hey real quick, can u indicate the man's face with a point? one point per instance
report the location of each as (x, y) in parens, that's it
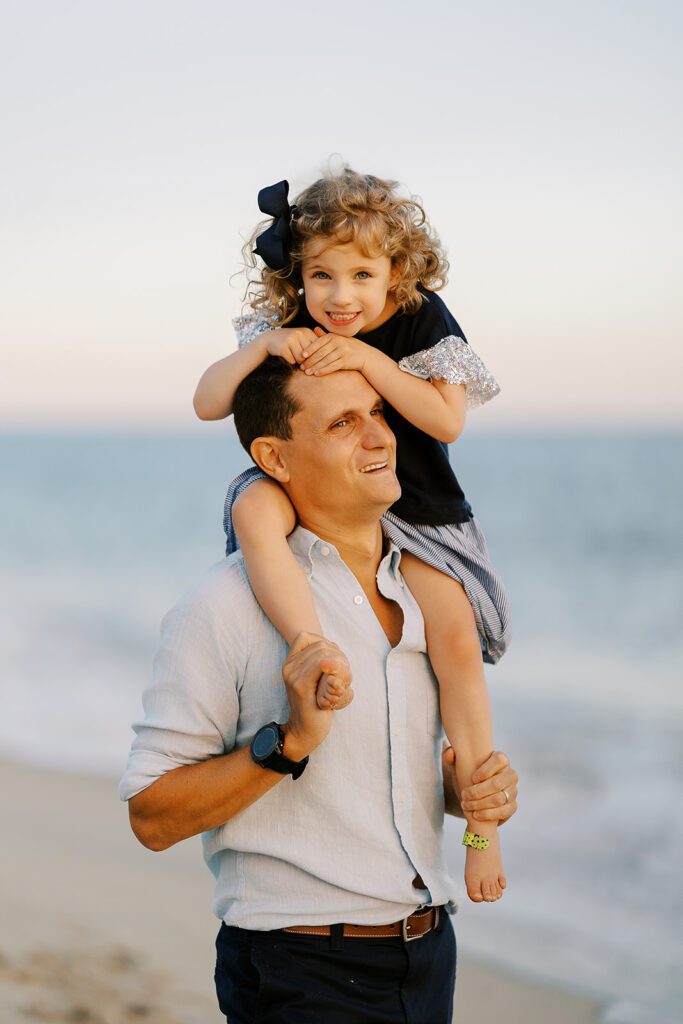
(341, 459)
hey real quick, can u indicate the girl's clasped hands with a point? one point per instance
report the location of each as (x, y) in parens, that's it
(315, 352)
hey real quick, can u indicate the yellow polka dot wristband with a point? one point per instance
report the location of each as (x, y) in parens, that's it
(475, 841)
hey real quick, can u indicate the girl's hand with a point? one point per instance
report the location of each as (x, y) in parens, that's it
(331, 352)
(289, 343)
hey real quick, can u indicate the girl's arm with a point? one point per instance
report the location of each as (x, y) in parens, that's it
(263, 517)
(437, 408)
(217, 386)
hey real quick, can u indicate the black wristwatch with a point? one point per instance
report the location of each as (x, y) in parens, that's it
(267, 750)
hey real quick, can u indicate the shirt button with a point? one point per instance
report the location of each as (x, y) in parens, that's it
(324, 550)
(358, 599)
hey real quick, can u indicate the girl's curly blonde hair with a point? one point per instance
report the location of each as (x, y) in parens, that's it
(351, 207)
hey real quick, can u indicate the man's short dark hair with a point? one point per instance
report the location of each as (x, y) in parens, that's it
(262, 405)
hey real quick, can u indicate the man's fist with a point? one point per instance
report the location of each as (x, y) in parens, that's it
(493, 793)
(309, 659)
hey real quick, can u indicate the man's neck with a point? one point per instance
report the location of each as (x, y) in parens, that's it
(360, 547)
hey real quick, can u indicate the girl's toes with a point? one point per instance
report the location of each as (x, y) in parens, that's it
(502, 881)
(489, 890)
(475, 894)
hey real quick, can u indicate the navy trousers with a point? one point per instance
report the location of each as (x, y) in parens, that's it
(279, 978)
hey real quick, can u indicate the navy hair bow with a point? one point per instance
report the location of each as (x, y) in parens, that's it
(272, 245)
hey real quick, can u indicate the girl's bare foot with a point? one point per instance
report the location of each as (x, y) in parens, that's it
(484, 874)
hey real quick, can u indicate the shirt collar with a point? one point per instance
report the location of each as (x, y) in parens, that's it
(310, 550)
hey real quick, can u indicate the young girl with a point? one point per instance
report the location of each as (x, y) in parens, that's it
(349, 282)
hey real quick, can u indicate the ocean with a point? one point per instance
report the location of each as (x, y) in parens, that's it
(99, 535)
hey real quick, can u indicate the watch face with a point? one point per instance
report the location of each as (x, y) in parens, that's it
(265, 741)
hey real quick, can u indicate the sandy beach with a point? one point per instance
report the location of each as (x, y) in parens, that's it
(96, 929)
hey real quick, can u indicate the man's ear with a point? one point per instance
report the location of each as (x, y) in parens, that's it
(267, 454)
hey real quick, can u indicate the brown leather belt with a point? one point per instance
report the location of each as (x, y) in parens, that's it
(424, 920)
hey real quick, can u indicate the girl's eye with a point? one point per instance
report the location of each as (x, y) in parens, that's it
(363, 274)
(320, 273)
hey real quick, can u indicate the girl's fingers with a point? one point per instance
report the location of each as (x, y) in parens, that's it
(314, 345)
(314, 358)
(328, 367)
(326, 360)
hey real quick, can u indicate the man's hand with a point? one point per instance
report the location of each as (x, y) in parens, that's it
(485, 799)
(308, 660)
(331, 352)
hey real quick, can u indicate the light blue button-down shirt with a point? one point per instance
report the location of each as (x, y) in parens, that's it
(347, 840)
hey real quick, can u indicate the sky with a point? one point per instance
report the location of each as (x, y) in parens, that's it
(543, 138)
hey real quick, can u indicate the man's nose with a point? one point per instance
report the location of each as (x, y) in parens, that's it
(377, 434)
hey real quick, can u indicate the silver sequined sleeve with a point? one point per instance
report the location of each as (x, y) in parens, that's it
(453, 360)
(249, 327)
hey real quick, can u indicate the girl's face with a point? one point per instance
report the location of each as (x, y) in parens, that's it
(347, 292)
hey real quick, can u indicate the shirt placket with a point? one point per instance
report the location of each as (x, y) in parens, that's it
(401, 787)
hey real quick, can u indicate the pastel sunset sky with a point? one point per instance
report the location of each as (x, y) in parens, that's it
(543, 138)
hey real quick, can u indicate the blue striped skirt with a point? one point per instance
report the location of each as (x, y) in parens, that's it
(458, 550)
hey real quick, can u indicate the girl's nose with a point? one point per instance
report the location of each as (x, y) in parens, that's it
(340, 294)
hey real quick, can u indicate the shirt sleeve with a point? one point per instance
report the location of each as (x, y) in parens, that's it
(444, 354)
(249, 327)
(454, 361)
(191, 704)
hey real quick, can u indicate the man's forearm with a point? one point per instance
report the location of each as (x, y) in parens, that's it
(198, 797)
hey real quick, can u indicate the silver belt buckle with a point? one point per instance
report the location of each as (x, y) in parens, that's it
(411, 938)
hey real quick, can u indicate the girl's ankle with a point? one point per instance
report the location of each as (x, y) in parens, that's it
(488, 829)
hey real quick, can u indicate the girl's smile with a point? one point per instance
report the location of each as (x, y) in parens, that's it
(346, 291)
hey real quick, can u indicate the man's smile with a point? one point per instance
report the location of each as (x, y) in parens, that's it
(375, 467)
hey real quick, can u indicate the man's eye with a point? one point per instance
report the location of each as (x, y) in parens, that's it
(339, 423)
(378, 410)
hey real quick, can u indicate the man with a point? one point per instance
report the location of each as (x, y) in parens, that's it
(323, 828)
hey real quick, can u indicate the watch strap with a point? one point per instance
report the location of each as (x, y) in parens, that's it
(280, 763)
